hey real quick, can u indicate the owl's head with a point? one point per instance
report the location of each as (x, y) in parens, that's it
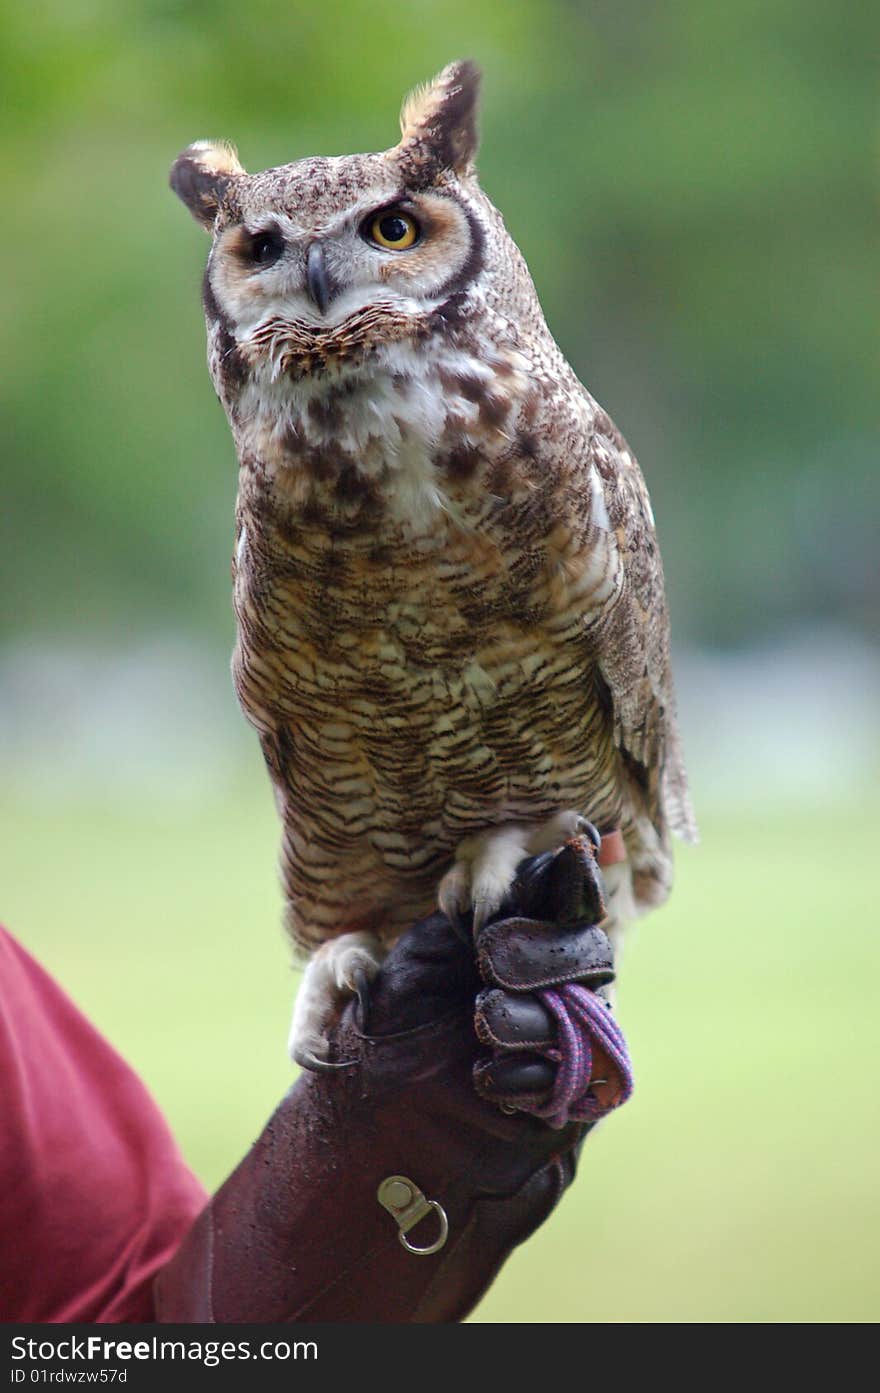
(329, 256)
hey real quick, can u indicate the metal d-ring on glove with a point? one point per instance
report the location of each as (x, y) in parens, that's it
(408, 1206)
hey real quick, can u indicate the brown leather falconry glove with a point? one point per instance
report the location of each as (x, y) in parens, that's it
(392, 1190)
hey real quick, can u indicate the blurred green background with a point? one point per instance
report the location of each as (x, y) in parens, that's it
(695, 190)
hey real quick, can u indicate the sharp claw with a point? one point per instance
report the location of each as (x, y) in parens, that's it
(587, 828)
(306, 1060)
(361, 986)
(482, 914)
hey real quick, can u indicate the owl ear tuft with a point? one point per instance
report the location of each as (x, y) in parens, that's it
(200, 176)
(439, 121)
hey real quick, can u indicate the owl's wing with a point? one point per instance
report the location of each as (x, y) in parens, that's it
(632, 634)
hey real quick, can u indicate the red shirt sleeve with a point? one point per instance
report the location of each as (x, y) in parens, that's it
(94, 1194)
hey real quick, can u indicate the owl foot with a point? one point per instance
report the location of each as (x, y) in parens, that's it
(485, 864)
(339, 969)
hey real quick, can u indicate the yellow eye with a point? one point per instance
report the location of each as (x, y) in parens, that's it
(395, 231)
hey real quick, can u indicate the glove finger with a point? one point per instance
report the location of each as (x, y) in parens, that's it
(516, 1079)
(563, 886)
(523, 955)
(507, 1022)
(427, 973)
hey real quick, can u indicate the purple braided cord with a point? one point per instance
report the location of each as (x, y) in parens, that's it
(582, 1019)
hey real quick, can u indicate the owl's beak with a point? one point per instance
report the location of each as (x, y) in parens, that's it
(320, 285)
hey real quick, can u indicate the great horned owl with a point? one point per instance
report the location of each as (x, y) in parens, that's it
(452, 628)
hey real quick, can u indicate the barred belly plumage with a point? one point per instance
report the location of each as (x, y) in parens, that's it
(407, 695)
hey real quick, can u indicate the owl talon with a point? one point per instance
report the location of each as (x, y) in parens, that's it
(584, 828)
(361, 985)
(484, 910)
(338, 970)
(494, 870)
(306, 1059)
